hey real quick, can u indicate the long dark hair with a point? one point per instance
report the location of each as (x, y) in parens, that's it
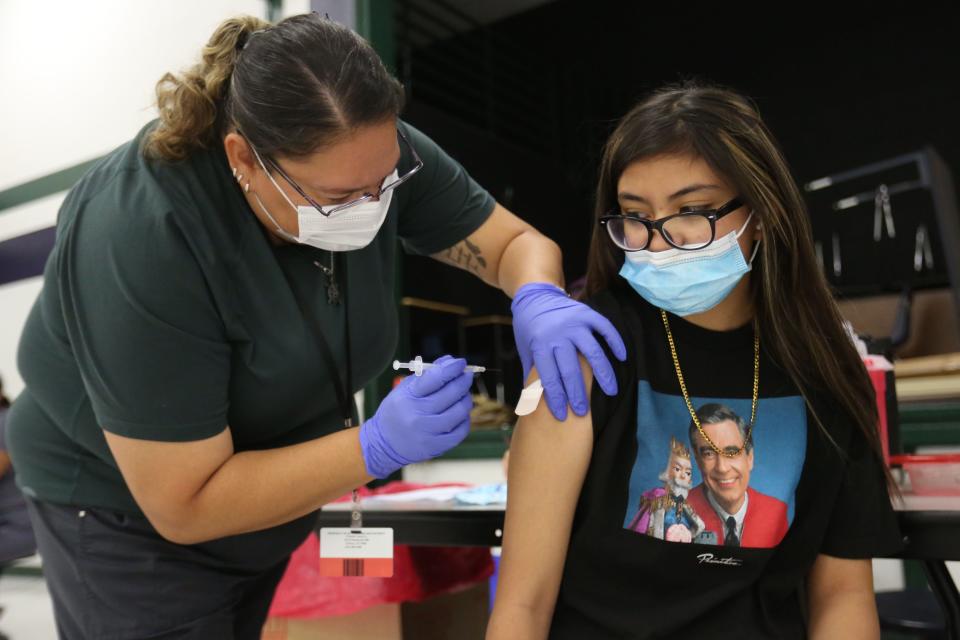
(798, 319)
(292, 89)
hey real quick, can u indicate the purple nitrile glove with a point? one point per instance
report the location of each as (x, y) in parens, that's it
(550, 328)
(420, 419)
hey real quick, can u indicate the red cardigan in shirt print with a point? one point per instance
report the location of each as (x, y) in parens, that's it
(764, 525)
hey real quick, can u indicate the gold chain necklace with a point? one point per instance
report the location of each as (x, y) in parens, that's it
(686, 397)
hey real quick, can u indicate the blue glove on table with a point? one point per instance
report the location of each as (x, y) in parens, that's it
(550, 328)
(420, 419)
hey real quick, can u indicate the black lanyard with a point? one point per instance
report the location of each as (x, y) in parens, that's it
(343, 389)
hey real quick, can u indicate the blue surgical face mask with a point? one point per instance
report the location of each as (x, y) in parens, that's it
(688, 282)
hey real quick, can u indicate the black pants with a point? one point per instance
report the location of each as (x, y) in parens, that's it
(111, 576)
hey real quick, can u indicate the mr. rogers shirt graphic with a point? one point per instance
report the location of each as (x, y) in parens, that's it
(682, 490)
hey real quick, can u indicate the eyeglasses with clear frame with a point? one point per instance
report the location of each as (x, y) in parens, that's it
(687, 230)
(329, 211)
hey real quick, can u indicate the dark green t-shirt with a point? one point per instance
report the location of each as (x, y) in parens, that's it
(165, 315)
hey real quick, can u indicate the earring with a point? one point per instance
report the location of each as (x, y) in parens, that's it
(240, 178)
(246, 187)
(234, 171)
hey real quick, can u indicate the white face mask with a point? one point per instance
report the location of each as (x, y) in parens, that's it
(353, 228)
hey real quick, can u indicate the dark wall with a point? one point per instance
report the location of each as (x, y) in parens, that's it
(838, 92)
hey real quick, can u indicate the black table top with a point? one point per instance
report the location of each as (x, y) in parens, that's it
(930, 525)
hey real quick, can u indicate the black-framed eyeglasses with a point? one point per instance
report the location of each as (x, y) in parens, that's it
(687, 230)
(329, 211)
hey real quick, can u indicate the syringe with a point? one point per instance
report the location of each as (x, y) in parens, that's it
(418, 366)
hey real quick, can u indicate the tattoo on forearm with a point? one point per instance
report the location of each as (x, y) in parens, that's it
(466, 255)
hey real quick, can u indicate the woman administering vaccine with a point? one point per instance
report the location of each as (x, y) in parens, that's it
(219, 288)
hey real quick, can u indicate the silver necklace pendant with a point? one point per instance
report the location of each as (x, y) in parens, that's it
(333, 290)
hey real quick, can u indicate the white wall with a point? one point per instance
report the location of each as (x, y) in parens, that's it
(78, 76)
(77, 80)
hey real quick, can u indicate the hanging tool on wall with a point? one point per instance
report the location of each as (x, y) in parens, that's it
(882, 212)
(837, 262)
(922, 250)
(922, 260)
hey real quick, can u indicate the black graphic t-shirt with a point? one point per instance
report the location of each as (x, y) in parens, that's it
(672, 538)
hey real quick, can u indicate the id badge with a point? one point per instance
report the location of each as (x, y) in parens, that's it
(365, 552)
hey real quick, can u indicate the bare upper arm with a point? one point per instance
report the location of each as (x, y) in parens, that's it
(548, 462)
(164, 477)
(830, 576)
(842, 604)
(481, 251)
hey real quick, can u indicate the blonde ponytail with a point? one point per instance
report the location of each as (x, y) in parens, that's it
(190, 105)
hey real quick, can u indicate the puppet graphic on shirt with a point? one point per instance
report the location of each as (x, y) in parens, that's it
(664, 512)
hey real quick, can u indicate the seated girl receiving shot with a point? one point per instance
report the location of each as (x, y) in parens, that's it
(733, 488)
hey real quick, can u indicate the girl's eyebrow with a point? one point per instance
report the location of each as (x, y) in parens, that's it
(624, 195)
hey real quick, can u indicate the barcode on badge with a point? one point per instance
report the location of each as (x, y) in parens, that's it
(356, 567)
